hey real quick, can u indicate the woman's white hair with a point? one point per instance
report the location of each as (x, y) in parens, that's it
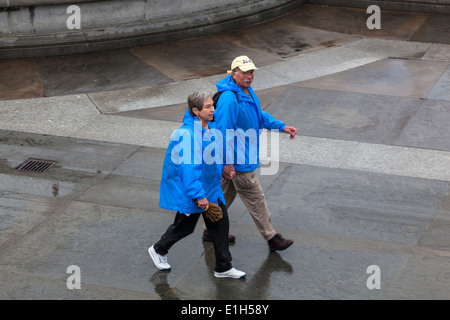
(196, 100)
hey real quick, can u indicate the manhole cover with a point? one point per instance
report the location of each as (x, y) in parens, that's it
(36, 165)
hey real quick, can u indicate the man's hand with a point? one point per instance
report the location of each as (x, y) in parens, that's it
(291, 130)
(203, 204)
(228, 172)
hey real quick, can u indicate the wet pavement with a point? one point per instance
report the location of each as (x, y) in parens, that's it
(365, 183)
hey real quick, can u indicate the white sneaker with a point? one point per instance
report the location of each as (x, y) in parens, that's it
(232, 273)
(160, 261)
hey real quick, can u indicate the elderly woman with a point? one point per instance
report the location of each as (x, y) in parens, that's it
(190, 185)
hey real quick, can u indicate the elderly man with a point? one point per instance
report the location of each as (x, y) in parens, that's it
(238, 108)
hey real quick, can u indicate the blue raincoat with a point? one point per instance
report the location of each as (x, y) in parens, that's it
(242, 114)
(192, 167)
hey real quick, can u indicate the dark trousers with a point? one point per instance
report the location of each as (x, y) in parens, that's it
(184, 225)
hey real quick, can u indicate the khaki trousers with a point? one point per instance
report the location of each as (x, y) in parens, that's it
(247, 186)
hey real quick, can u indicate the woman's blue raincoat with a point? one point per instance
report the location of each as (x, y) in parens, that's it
(190, 173)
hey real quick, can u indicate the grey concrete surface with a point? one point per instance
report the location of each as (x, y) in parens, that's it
(43, 28)
(118, 69)
(364, 183)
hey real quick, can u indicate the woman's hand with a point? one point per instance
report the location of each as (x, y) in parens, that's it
(203, 204)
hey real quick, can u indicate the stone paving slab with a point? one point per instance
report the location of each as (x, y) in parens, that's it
(149, 96)
(312, 66)
(40, 144)
(207, 56)
(28, 286)
(274, 40)
(436, 236)
(395, 160)
(344, 115)
(66, 239)
(428, 128)
(19, 79)
(435, 29)
(354, 204)
(389, 48)
(441, 90)
(440, 52)
(129, 192)
(176, 112)
(386, 77)
(394, 25)
(144, 163)
(53, 115)
(62, 184)
(422, 274)
(142, 132)
(21, 213)
(98, 71)
(330, 153)
(172, 113)
(70, 156)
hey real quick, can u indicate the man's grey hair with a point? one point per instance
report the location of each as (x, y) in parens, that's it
(196, 100)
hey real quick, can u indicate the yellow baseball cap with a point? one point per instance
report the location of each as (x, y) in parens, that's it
(244, 63)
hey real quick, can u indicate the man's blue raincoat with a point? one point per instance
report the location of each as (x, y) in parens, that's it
(241, 114)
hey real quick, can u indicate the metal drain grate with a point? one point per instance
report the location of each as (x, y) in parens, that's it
(36, 165)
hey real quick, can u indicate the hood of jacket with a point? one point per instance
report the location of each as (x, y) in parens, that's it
(229, 84)
(190, 120)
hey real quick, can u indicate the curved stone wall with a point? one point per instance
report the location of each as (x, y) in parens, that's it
(434, 6)
(51, 27)
(29, 3)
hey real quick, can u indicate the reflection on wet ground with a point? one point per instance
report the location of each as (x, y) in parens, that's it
(365, 183)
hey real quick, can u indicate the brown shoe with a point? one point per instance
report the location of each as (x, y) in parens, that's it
(279, 243)
(207, 237)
